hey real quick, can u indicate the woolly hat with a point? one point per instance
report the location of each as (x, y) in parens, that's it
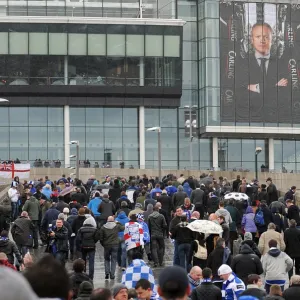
(224, 269)
(248, 236)
(117, 288)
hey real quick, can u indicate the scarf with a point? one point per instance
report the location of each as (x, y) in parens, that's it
(192, 281)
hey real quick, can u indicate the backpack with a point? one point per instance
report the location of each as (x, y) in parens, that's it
(259, 218)
(201, 252)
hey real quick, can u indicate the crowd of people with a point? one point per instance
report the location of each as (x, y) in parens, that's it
(256, 255)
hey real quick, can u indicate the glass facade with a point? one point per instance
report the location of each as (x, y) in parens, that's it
(102, 55)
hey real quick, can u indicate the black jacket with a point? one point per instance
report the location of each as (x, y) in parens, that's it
(61, 238)
(292, 242)
(182, 234)
(246, 263)
(76, 279)
(10, 248)
(114, 193)
(174, 222)
(292, 293)
(88, 236)
(157, 224)
(61, 205)
(178, 198)
(79, 197)
(206, 290)
(166, 203)
(235, 185)
(215, 260)
(267, 218)
(275, 297)
(263, 195)
(109, 234)
(197, 197)
(255, 292)
(77, 223)
(106, 209)
(253, 247)
(289, 195)
(272, 193)
(293, 213)
(21, 231)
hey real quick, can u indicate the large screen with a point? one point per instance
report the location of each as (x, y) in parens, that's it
(259, 57)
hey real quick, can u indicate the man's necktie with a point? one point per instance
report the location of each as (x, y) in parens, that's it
(263, 66)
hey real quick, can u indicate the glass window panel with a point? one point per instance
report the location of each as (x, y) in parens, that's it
(189, 97)
(234, 150)
(18, 141)
(212, 28)
(4, 116)
(77, 116)
(113, 146)
(168, 117)
(38, 143)
(18, 116)
(77, 44)
(130, 144)
(130, 117)
(115, 71)
(116, 44)
(201, 73)
(171, 46)
(169, 138)
(77, 70)
(18, 43)
(154, 71)
(190, 31)
(212, 96)
(297, 151)
(55, 116)
(38, 116)
(278, 151)
(212, 72)
(78, 134)
(56, 69)
(95, 144)
(211, 9)
(38, 43)
(212, 47)
(289, 167)
(288, 151)
(17, 68)
(189, 75)
(58, 43)
(189, 50)
(96, 44)
(152, 117)
(94, 116)
(205, 149)
(39, 70)
(134, 45)
(4, 142)
(132, 69)
(248, 150)
(187, 10)
(4, 43)
(97, 70)
(184, 150)
(113, 117)
(55, 143)
(154, 45)
(213, 115)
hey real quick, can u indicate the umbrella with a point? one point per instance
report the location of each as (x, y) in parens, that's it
(236, 196)
(66, 191)
(205, 226)
(103, 187)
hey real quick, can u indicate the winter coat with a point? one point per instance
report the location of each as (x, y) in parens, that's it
(79, 197)
(292, 293)
(133, 235)
(106, 209)
(157, 224)
(272, 193)
(274, 297)
(109, 234)
(122, 219)
(61, 238)
(85, 290)
(263, 195)
(149, 200)
(76, 279)
(197, 197)
(166, 203)
(279, 205)
(289, 195)
(252, 246)
(155, 193)
(248, 220)
(120, 200)
(171, 190)
(178, 198)
(246, 263)
(276, 264)
(148, 212)
(77, 224)
(50, 216)
(225, 213)
(235, 217)
(267, 218)
(292, 242)
(187, 189)
(254, 291)
(10, 249)
(21, 231)
(174, 222)
(278, 220)
(182, 234)
(32, 206)
(61, 205)
(88, 235)
(213, 204)
(206, 290)
(293, 213)
(94, 205)
(270, 234)
(114, 193)
(136, 211)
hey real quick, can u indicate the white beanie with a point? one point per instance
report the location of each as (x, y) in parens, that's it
(224, 269)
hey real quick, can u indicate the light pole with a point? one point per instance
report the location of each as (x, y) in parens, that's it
(257, 151)
(190, 124)
(158, 129)
(77, 157)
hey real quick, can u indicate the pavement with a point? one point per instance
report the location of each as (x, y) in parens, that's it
(99, 276)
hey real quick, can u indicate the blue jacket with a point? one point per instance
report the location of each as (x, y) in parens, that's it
(171, 190)
(94, 204)
(155, 193)
(187, 189)
(232, 288)
(50, 216)
(146, 231)
(122, 219)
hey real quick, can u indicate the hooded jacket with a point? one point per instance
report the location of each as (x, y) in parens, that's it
(225, 213)
(248, 220)
(85, 290)
(149, 200)
(115, 193)
(276, 264)
(21, 231)
(88, 234)
(179, 196)
(187, 189)
(292, 242)
(166, 203)
(254, 291)
(293, 213)
(148, 212)
(157, 224)
(246, 263)
(94, 205)
(171, 190)
(106, 209)
(109, 234)
(122, 219)
(32, 206)
(10, 249)
(50, 216)
(197, 197)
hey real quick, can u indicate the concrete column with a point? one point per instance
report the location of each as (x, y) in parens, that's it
(66, 70)
(271, 154)
(142, 136)
(215, 153)
(67, 134)
(142, 72)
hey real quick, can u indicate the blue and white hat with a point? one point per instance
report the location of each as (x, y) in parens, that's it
(31, 182)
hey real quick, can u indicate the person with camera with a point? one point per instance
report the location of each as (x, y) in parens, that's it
(59, 241)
